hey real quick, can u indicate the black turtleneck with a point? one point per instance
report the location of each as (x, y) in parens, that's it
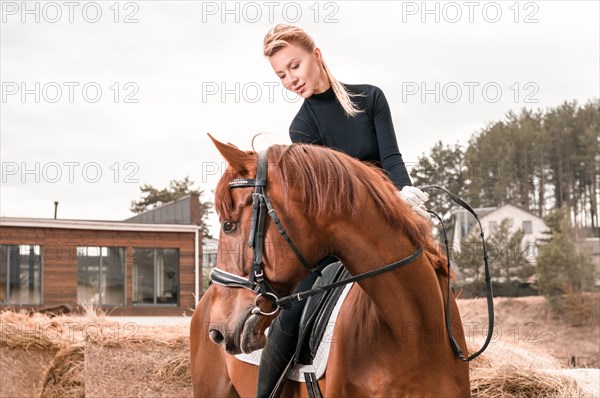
(368, 136)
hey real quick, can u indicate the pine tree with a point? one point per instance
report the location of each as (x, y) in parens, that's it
(561, 267)
(506, 254)
(444, 167)
(470, 258)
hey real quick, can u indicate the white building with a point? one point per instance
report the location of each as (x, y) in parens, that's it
(491, 217)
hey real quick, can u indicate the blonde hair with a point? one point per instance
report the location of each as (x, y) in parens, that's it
(284, 35)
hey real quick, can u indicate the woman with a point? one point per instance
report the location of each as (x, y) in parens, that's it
(354, 119)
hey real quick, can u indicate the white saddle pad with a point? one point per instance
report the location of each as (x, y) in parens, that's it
(320, 362)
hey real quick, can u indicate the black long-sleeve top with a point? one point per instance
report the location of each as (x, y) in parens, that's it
(368, 136)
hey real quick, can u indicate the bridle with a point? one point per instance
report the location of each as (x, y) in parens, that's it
(256, 282)
(261, 206)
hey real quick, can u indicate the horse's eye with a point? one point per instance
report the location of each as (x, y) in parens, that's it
(229, 227)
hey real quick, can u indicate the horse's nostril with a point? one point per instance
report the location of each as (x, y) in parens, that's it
(216, 336)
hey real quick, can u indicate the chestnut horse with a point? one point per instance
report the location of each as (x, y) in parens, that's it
(390, 338)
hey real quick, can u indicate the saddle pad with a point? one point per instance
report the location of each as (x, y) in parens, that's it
(320, 362)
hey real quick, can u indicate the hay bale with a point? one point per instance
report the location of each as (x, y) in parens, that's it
(141, 361)
(176, 370)
(513, 381)
(28, 342)
(64, 375)
(587, 379)
(499, 353)
(506, 370)
(75, 356)
(21, 330)
(21, 371)
(139, 370)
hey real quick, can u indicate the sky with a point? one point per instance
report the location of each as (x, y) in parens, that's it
(99, 98)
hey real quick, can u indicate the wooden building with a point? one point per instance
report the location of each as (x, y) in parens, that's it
(133, 267)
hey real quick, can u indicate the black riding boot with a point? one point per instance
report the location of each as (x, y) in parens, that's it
(275, 356)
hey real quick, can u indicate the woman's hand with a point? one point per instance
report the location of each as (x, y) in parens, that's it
(416, 198)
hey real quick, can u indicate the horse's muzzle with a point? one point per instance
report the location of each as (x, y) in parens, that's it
(244, 336)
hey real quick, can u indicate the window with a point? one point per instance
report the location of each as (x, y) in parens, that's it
(493, 227)
(155, 276)
(209, 260)
(527, 227)
(100, 275)
(209, 253)
(21, 274)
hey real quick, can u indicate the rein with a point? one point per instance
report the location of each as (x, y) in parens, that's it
(256, 282)
(286, 302)
(488, 279)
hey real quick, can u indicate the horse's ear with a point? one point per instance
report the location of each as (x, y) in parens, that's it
(236, 158)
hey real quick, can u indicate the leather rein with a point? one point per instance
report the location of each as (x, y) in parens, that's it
(256, 282)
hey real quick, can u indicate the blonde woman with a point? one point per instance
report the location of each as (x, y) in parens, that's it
(354, 119)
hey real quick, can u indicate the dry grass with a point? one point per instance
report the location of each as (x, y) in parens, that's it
(87, 356)
(22, 331)
(508, 371)
(531, 324)
(528, 354)
(521, 382)
(176, 370)
(77, 356)
(64, 376)
(577, 308)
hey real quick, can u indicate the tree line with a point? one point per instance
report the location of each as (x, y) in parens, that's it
(537, 160)
(546, 162)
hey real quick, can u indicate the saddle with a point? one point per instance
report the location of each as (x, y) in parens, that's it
(314, 323)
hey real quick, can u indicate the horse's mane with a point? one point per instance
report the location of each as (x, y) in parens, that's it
(332, 180)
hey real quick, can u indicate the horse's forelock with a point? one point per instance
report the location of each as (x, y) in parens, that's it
(223, 200)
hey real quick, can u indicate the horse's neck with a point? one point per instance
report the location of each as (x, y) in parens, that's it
(409, 293)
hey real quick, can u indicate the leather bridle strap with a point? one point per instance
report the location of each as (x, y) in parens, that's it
(261, 206)
(286, 302)
(257, 225)
(286, 237)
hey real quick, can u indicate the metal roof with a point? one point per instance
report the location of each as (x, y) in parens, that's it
(94, 225)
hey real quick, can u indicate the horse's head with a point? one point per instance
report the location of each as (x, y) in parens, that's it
(254, 264)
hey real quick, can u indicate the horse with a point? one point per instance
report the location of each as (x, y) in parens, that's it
(390, 338)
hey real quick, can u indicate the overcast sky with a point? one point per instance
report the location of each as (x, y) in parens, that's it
(101, 97)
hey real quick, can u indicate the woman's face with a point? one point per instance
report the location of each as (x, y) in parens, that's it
(300, 71)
